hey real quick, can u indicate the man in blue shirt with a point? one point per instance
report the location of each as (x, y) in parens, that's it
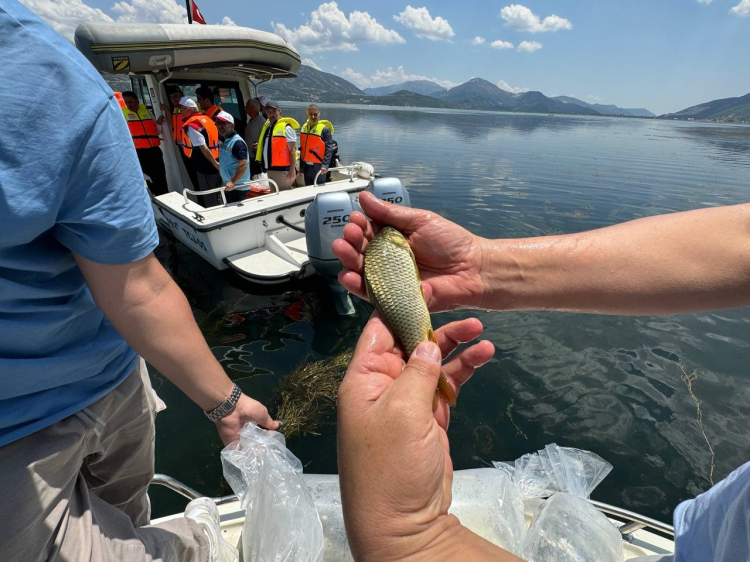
(81, 297)
(233, 160)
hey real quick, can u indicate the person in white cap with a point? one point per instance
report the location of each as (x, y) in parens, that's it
(200, 146)
(233, 161)
(277, 152)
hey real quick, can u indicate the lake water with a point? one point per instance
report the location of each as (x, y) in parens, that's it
(608, 384)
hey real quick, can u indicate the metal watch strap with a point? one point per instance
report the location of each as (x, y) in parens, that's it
(226, 407)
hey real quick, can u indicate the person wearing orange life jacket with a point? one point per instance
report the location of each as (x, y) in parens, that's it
(146, 140)
(206, 102)
(277, 152)
(316, 146)
(175, 95)
(200, 146)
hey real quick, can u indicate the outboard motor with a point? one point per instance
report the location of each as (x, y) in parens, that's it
(325, 218)
(391, 190)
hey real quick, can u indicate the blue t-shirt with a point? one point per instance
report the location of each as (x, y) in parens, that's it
(231, 150)
(69, 182)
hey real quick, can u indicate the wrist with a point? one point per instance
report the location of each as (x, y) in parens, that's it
(501, 275)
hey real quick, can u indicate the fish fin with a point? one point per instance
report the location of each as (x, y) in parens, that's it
(444, 388)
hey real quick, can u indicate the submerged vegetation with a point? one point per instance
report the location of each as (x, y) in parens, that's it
(689, 379)
(306, 398)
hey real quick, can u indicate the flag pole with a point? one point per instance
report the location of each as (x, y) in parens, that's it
(189, 11)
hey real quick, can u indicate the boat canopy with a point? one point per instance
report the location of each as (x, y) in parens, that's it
(146, 48)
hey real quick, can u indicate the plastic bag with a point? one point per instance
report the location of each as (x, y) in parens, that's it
(281, 521)
(257, 185)
(568, 528)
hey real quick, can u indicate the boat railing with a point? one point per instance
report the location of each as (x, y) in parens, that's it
(633, 521)
(352, 169)
(222, 190)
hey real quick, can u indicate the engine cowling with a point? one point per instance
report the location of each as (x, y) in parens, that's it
(391, 190)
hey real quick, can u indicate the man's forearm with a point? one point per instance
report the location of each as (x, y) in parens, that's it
(240, 171)
(667, 264)
(151, 313)
(210, 157)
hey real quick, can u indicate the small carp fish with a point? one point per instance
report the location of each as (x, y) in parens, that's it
(393, 286)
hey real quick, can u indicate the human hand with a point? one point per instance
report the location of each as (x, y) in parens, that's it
(449, 257)
(161, 119)
(394, 465)
(246, 410)
(292, 175)
(229, 185)
(323, 171)
(164, 108)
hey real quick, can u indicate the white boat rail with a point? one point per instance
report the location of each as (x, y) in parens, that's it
(222, 190)
(635, 521)
(351, 167)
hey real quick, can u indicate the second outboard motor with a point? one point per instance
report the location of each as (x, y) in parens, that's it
(391, 190)
(325, 218)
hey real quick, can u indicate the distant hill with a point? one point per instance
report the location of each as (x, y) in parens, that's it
(728, 110)
(424, 87)
(607, 109)
(312, 85)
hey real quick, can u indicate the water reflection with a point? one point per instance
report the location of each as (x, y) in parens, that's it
(609, 384)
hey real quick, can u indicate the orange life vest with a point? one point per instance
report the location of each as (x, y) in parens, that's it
(177, 121)
(142, 128)
(311, 145)
(279, 157)
(213, 111)
(206, 127)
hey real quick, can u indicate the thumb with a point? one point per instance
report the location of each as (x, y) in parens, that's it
(420, 377)
(382, 212)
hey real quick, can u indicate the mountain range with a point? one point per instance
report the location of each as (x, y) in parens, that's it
(727, 110)
(316, 86)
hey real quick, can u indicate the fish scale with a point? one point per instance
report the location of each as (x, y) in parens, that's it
(394, 287)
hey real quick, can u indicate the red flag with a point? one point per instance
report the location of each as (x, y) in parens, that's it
(195, 13)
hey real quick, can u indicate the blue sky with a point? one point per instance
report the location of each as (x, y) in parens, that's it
(664, 55)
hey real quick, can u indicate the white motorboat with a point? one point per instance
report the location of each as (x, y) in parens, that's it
(263, 238)
(475, 503)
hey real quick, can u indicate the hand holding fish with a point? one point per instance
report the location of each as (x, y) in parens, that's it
(394, 465)
(449, 257)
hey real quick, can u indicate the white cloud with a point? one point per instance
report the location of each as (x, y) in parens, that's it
(529, 46)
(388, 77)
(508, 88)
(150, 11)
(595, 99)
(477, 40)
(227, 21)
(423, 25)
(65, 15)
(501, 44)
(312, 63)
(330, 29)
(707, 2)
(521, 18)
(742, 9)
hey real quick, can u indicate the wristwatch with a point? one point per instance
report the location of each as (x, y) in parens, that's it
(226, 407)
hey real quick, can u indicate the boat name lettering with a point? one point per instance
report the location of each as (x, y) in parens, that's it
(172, 224)
(195, 240)
(336, 219)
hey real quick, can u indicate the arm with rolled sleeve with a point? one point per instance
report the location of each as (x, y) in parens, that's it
(291, 142)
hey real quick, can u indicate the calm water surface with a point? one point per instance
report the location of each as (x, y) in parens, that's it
(610, 384)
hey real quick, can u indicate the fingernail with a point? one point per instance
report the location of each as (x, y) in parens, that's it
(428, 351)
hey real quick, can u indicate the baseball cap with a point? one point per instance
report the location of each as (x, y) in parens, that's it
(187, 102)
(263, 100)
(224, 116)
(272, 104)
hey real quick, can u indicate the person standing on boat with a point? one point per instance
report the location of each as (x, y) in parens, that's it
(316, 146)
(82, 296)
(200, 145)
(145, 137)
(233, 160)
(252, 131)
(396, 492)
(206, 102)
(277, 152)
(175, 95)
